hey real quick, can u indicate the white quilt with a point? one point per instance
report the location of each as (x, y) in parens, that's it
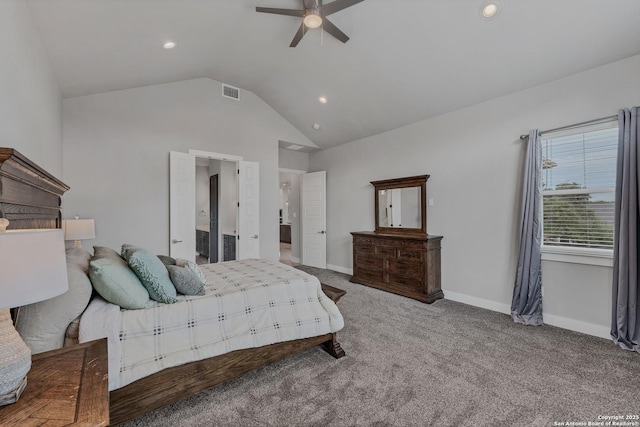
(248, 303)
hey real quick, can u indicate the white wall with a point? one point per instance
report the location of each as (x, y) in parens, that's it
(475, 157)
(116, 151)
(289, 159)
(30, 100)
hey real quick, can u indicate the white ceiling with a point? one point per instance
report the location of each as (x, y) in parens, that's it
(407, 60)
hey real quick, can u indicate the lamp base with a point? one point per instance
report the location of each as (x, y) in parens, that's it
(13, 396)
(15, 361)
(77, 244)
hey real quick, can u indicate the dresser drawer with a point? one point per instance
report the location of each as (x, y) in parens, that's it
(409, 255)
(362, 248)
(409, 283)
(405, 268)
(364, 261)
(372, 275)
(385, 251)
(403, 243)
(365, 240)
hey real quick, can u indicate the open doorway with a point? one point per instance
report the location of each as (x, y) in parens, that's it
(216, 210)
(185, 209)
(289, 214)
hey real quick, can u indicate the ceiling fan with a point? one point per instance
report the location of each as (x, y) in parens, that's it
(314, 15)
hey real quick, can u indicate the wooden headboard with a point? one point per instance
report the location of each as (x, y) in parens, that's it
(30, 197)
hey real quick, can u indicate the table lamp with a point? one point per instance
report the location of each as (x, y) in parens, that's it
(33, 269)
(78, 229)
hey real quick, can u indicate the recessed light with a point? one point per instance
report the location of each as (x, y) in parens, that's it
(169, 45)
(322, 100)
(316, 126)
(294, 147)
(490, 10)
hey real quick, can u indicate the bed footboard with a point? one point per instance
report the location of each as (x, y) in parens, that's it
(177, 383)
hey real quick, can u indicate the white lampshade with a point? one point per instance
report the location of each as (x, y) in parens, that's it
(34, 269)
(79, 229)
(34, 266)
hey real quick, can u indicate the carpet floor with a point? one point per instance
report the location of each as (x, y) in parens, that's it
(413, 364)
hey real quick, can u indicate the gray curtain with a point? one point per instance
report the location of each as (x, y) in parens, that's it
(625, 322)
(526, 306)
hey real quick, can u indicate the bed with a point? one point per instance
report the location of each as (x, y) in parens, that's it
(286, 308)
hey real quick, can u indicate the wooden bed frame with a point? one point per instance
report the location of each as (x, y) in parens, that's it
(30, 197)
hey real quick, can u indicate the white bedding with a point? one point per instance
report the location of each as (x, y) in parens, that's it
(248, 303)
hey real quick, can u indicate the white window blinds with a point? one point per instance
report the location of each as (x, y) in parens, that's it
(578, 175)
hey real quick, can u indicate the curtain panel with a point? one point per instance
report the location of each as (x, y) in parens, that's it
(625, 322)
(526, 305)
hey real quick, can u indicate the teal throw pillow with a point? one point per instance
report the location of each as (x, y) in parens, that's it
(117, 283)
(151, 272)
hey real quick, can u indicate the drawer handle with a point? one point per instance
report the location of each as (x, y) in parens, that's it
(176, 241)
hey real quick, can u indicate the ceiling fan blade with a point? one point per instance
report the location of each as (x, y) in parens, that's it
(296, 39)
(337, 6)
(289, 12)
(334, 31)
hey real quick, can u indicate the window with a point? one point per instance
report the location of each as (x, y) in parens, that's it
(578, 179)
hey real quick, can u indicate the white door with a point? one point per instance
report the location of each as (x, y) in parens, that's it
(314, 219)
(248, 210)
(182, 205)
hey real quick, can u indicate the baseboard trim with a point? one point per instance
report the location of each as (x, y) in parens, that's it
(577, 325)
(340, 269)
(549, 319)
(477, 302)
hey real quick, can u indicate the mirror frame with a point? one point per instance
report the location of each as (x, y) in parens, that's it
(410, 181)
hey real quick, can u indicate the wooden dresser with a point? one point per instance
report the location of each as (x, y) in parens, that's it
(404, 264)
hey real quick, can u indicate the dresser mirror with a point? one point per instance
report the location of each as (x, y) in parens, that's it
(400, 205)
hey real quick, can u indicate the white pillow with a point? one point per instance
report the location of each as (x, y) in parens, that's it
(43, 325)
(193, 267)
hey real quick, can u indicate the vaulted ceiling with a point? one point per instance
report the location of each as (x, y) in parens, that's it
(407, 60)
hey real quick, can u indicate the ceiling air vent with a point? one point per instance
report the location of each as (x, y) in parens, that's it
(231, 92)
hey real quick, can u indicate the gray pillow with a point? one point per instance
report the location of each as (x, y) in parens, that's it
(185, 281)
(151, 272)
(104, 252)
(193, 267)
(167, 260)
(117, 283)
(42, 325)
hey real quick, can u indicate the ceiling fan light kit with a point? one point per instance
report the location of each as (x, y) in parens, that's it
(314, 15)
(312, 19)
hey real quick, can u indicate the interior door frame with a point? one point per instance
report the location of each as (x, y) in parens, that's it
(214, 226)
(218, 156)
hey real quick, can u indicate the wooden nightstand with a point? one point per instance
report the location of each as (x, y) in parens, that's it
(68, 386)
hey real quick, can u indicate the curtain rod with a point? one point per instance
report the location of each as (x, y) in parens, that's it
(576, 125)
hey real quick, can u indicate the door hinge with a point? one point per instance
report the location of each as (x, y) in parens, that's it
(238, 204)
